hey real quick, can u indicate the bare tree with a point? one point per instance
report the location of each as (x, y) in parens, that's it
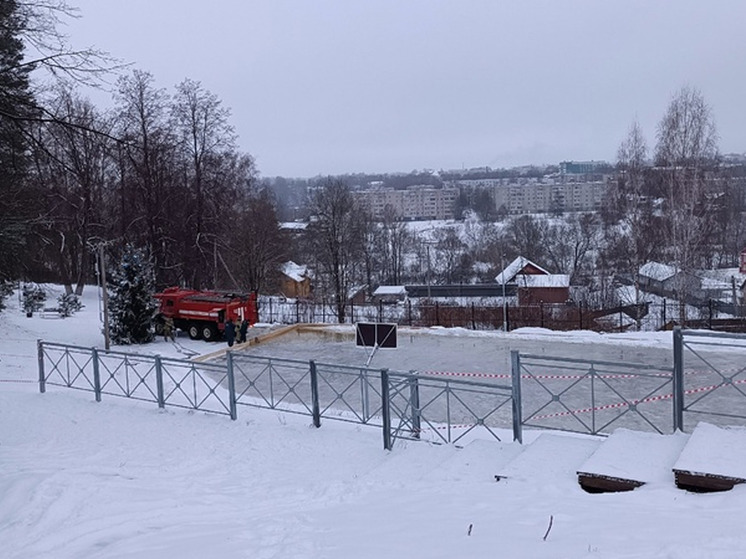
(259, 244)
(450, 253)
(71, 164)
(526, 236)
(151, 198)
(204, 135)
(685, 152)
(570, 245)
(634, 236)
(334, 238)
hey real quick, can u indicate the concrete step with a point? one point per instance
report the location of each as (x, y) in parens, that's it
(629, 459)
(551, 457)
(714, 459)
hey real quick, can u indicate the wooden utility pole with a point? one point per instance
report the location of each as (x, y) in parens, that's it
(105, 295)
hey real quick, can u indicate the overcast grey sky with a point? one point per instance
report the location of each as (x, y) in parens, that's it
(335, 86)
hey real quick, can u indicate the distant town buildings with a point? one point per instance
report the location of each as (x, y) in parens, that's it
(412, 203)
(579, 186)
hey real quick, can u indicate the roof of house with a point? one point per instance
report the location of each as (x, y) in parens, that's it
(515, 268)
(398, 290)
(294, 271)
(294, 225)
(657, 271)
(549, 280)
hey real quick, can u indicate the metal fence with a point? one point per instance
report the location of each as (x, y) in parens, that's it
(711, 315)
(569, 394)
(713, 370)
(404, 405)
(593, 397)
(164, 381)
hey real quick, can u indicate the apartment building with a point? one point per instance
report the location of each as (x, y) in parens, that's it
(414, 203)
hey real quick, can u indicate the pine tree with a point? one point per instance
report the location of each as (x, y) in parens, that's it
(16, 106)
(131, 302)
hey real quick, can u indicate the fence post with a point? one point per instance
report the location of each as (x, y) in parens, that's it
(580, 314)
(231, 386)
(541, 312)
(437, 314)
(385, 409)
(507, 318)
(409, 306)
(678, 379)
(96, 374)
(709, 304)
(159, 381)
(40, 357)
(315, 410)
(473, 322)
(297, 311)
(664, 313)
(515, 373)
(414, 403)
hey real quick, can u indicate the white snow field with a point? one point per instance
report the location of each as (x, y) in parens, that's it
(121, 478)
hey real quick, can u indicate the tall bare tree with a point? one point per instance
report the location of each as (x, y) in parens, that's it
(205, 137)
(334, 237)
(686, 152)
(71, 163)
(259, 245)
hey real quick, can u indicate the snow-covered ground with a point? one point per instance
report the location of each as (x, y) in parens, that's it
(122, 478)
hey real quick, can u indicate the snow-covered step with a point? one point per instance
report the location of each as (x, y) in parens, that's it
(714, 459)
(550, 457)
(478, 460)
(628, 459)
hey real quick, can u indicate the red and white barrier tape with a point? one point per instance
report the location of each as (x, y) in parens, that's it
(634, 402)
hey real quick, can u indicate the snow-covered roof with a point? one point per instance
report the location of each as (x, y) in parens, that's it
(549, 280)
(295, 225)
(657, 271)
(714, 284)
(390, 290)
(514, 268)
(355, 289)
(294, 271)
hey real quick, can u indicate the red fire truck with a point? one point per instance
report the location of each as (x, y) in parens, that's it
(202, 314)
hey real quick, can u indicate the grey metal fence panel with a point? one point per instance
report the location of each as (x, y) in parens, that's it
(197, 386)
(594, 397)
(68, 366)
(185, 384)
(447, 410)
(266, 382)
(128, 375)
(350, 393)
(714, 378)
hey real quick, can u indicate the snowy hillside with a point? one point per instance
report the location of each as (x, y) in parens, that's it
(119, 478)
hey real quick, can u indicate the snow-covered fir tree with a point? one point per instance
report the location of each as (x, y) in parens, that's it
(131, 303)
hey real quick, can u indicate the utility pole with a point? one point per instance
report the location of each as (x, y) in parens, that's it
(105, 294)
(505, 302)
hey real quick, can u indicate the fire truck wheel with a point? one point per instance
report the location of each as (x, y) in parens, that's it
(209, 332)
(195, 332)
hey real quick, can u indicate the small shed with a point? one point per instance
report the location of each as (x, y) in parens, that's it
(389, 294)
(357, 294)
(664, 279)
(295, 281)
(545, 288)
